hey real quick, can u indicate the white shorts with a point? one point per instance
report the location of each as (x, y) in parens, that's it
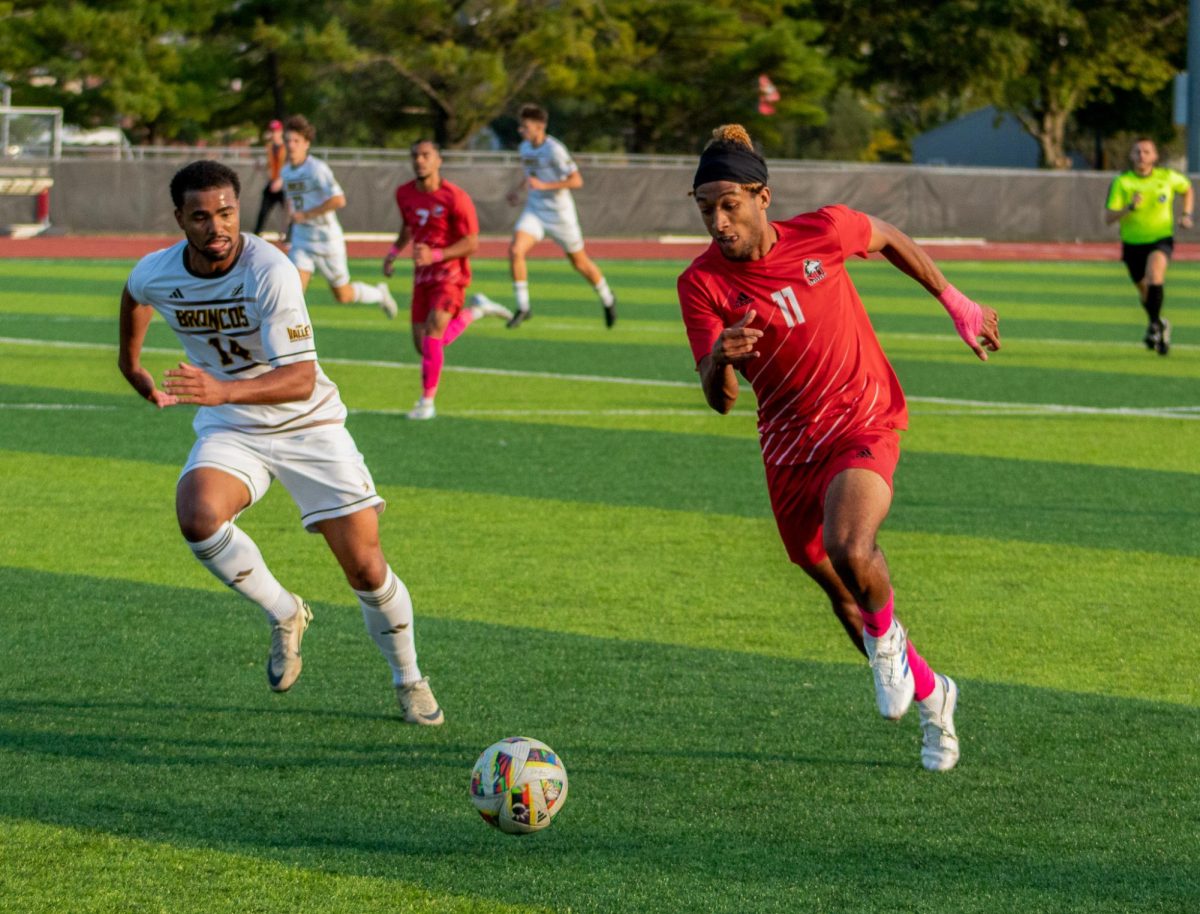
(332, 266)
(322, 470)
(563, 230)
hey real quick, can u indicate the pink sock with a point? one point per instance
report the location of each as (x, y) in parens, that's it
(922, 675)
(458, 325)
(877, 623)
(431, 365)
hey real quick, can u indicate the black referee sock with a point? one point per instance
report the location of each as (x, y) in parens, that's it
(1154, 303)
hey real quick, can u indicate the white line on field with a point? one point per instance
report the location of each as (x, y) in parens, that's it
(700, 412)
(54, 406)
(378, 363)
(1163, 412)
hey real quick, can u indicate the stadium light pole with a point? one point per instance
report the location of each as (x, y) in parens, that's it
(1193, 86)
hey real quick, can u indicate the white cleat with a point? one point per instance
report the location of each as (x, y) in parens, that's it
(894, 682)
(418, 704)
(485, 307)
(388, 305)
(939, 741)
(423, 410)
(284, 662)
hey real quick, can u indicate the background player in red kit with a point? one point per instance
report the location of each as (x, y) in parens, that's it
(439, 218)
(774, 301)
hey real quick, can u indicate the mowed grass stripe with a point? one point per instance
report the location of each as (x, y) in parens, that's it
(943, 492)
(543, 549)
(94, 872)
(193, 754)
(1052, 292)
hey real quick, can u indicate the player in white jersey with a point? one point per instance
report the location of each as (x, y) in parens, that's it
(549, 174)
(266, 411)
(313, 198)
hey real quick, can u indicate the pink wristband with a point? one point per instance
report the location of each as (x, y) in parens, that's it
(437, 254)
(394, 251)
(967, 316)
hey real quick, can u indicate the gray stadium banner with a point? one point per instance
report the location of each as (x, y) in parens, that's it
(633, 200)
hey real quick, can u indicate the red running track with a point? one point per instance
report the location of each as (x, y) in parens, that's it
(131, 247)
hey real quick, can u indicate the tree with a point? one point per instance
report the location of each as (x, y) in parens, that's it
(1041, 60)
(469, 61)
(663, 63)
(130, 60)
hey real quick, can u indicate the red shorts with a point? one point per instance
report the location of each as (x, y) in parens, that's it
(798, 490)
(436, 296)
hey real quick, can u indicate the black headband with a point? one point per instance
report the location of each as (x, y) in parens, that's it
(730, 163)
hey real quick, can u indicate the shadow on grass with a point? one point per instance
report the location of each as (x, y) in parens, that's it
(1039, 501)
(729, 781)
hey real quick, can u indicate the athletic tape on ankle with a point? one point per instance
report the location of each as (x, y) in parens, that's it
(967, 316)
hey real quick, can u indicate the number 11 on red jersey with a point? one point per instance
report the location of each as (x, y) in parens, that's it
(785, 299)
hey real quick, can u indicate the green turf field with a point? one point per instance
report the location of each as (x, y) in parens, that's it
(593, 563)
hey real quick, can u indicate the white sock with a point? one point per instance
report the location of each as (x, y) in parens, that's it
(604, 292)
(388, 616)
(366, 294)
(521, 291)
(933, 701)
(235, 561)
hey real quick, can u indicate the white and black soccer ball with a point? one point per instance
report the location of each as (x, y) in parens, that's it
(518, 785)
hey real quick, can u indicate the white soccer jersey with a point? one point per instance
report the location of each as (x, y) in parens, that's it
(310, 184)
(549, 162)
(240, 324)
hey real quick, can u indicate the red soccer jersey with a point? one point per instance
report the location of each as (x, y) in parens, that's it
(438, 219)
(821, 375)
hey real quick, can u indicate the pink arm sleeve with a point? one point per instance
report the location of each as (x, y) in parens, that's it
(966, 314)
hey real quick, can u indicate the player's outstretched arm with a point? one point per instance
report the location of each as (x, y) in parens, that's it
(135, 318)
(734, 346)
(978, 325)
(573, 181)
(333, 204)
(514, 194)
(1116, 215)
(425, 256)
(401, 242)
(190, 384)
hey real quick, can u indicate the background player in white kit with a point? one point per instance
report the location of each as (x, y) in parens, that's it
(549, 174)
(267, 411)
(314, 197)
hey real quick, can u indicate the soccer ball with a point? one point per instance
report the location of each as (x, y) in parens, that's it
(518, 785)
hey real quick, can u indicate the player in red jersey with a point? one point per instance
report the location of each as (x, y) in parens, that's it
(773, 300)
(439, 218)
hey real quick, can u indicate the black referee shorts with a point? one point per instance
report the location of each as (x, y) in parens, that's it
(1135, 256)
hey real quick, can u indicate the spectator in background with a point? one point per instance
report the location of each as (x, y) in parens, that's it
(272, 194)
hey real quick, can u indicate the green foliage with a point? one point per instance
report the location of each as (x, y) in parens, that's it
(1041, 60)
(661, 64)
(639, 75)
(128, 60)
(468, 62)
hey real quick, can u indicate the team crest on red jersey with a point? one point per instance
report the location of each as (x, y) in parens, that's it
(813, 271)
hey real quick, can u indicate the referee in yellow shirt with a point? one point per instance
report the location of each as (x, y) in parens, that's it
(1142, 199)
